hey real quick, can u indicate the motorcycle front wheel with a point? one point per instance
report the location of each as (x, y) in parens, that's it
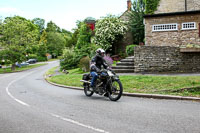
(87, 91)
(116, 90)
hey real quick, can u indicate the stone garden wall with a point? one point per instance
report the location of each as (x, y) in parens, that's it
(153, 59)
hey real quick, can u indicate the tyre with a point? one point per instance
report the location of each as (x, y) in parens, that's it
(116, 90)
(87, 91)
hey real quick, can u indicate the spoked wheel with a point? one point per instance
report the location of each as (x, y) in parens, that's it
(115, 90)
(87, 90)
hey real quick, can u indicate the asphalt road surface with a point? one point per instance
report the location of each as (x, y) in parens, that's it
(28, 104)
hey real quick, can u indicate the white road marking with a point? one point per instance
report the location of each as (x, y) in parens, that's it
(53, 115)
(17, 100)
(78, 123)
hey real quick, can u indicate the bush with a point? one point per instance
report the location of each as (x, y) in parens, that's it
(39, 58)
(84, 64)
(130, 49)
(69, 60)
(32, 56)
(89, 50)
(122, 55)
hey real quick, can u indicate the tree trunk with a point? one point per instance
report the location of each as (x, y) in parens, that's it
(13, 67)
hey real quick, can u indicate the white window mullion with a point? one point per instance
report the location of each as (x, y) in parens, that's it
(188, 26)
(165, 27)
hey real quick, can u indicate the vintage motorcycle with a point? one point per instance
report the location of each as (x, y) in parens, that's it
(108, 84)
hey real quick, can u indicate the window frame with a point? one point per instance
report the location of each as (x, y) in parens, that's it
(193, 28)
(165, 27)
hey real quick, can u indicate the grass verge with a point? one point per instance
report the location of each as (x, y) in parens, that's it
(167, 85)
(51, 71)
(19, 69)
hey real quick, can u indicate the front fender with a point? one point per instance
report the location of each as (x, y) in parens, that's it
(115, 78)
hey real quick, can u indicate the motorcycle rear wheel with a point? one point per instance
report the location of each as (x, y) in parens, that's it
(87, 91)
(116, 90)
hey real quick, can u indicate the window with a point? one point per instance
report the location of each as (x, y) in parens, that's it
(188, 26)
(165, 27)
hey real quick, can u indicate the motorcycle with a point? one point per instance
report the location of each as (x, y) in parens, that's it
(107, 84)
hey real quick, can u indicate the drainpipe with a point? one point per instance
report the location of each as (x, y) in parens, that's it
(185, 5)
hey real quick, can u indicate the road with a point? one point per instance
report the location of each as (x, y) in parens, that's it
(28, 104)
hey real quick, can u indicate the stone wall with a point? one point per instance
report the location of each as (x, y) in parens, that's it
(172, 38)
(153, 59)
(168, 6)
(193, 5)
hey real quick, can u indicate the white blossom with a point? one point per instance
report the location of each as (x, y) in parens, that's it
(107, 29)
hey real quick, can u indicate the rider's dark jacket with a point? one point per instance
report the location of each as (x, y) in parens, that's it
(97, 62)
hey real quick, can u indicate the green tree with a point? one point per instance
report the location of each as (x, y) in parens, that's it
(84, 47)
(42, 48)
(66, 32)
(39, 50)
(52, 27)
(41, 53)
(84, 36)
(17, 35)
(40, 23)
(68, 36)
(55, 39)
(43, 37)
(1, 22)
(55, 43)
(74, 37)
(109, 30)
(136, 21)
(151, 6)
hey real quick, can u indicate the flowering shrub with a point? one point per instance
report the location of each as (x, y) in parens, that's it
(108, 30)
(108, 60)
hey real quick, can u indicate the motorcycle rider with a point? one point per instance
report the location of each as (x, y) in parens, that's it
(96, 63)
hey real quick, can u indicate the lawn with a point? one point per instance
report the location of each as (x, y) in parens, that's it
(169, 85)
(175, 85)
(18, 69)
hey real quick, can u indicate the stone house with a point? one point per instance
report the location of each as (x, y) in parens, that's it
(175, 24)
(120, 46)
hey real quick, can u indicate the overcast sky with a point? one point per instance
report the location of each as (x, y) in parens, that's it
(64, 13)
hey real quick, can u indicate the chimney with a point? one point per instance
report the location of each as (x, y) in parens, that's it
(129, 5)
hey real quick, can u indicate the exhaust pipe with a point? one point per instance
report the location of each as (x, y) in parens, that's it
(85, 81)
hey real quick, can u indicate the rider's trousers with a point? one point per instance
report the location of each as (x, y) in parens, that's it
(94, 78)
